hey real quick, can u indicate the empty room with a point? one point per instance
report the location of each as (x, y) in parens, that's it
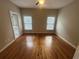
(39, 29)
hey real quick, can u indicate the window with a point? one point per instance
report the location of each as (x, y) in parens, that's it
(50, 23)
(27, 22)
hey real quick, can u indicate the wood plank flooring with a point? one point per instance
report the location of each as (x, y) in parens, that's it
(38, 47)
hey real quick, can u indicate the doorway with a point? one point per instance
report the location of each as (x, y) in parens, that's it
(15, 24)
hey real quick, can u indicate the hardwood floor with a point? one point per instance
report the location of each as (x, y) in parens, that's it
(38, 47)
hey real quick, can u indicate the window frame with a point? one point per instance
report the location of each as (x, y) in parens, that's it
(27, 23)
(53, 24)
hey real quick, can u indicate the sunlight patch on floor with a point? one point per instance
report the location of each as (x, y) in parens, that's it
(48, 41)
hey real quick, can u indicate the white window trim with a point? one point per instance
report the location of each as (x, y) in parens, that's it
(50, 29)
(26, 23)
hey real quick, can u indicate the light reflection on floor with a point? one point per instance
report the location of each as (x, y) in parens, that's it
(29, 41)
(48, 41)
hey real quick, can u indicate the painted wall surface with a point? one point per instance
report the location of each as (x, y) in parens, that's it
(6, 34)
(68, 23)
(39, 17)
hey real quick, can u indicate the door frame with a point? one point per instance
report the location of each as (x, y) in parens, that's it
(10, 13)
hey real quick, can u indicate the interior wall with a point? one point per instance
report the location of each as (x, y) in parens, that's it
(39, 17)
(6, 34)
(68, 23)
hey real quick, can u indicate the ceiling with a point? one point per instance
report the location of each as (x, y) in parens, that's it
(48, 4)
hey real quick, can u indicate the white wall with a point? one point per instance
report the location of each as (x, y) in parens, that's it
(68, 23)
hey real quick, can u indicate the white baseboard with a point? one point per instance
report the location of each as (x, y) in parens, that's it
(6, 46)
(9, 44)
(67, 41)
(76, 55)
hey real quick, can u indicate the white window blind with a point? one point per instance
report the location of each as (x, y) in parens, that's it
(50, 23)
(27, 22)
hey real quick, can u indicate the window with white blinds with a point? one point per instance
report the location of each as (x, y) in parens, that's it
(27, 22)
(50, 23)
